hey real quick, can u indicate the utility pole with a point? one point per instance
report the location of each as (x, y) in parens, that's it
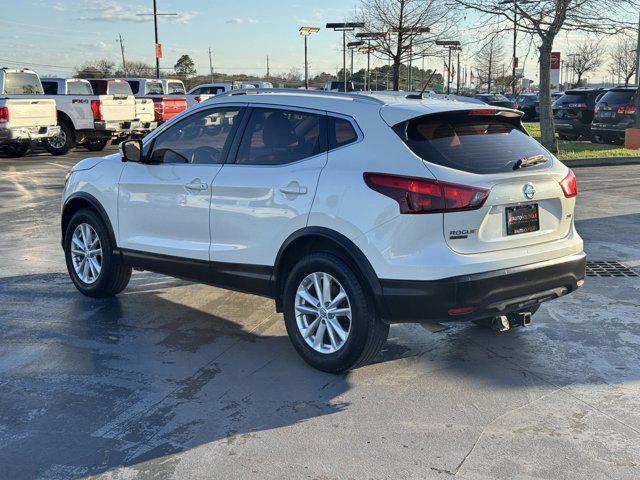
(267, 67)
(155, 30)
(124, 63)
(638, 55)
(210, 65)
(458, 73)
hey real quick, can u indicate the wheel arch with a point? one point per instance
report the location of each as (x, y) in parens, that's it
(314, 239)
(79, 201)
(63, 117)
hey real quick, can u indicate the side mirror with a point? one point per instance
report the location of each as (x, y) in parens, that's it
(131, 151)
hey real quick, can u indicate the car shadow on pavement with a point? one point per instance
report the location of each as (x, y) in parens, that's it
(93, 385)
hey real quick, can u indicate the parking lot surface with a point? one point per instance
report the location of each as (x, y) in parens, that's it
(177, 380)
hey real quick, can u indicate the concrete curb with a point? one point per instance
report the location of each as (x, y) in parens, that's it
(600, 162)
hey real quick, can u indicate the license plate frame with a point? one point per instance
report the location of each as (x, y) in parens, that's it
(522, 219)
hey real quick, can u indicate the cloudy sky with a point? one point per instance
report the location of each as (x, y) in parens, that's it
(53, 36)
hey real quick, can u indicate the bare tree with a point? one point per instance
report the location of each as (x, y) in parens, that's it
(543, 20)
(623, 59)
(488, 59)
(410, 28)
(585, 57)
(137, 69)
(95, 69)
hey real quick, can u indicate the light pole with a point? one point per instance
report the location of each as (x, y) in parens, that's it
(452, 45)
(305, 32)
(344, 28)
(352, 46)
(368, 36)
(155, 29)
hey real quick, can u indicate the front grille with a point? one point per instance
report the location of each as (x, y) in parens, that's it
(607, 268)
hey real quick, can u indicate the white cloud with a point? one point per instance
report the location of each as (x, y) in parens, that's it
(242, 20)
(114, 11)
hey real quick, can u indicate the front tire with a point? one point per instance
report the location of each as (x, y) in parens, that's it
(89, 256)
(338, 331)
(62, 143)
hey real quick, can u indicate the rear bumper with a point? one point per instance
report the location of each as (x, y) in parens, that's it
(116, 127)
(570, 126)
(609, 131)
(487, 294)
(24, 134)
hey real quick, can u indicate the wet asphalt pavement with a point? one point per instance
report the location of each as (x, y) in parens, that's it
(178, 380)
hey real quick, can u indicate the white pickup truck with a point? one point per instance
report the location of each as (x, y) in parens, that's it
(25, 115)
(145, 90)
(85, 118)
(166, 106)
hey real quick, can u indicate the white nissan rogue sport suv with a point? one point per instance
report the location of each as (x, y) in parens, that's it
(352, 211)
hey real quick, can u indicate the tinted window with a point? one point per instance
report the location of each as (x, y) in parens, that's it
(274, 137)
(492, 98)
(135, 86)
(22, 84)
(119, 88)
(572, 97)
(200, 138)
(99, 86)
(79, 88)
(618, 97)
(479, 145)
(50, 88)
(341, 132)
(175, 88)
(154, 88)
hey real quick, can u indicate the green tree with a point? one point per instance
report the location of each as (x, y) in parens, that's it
(185, 67)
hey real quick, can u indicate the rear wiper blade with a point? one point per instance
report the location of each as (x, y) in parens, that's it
(529, 161)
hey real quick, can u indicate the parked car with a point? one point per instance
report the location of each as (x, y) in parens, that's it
(85, 118)
(256, 84)
(292, 196)
(614, 113)
(339, 86)
(495, 99)
(205, 91)
(147, 91)
(573, 113)
(528, 103)
(25, 114)
(166, 106)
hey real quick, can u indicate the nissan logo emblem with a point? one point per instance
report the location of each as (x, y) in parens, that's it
(529, 191)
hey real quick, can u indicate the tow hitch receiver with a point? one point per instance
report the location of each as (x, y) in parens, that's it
(503, 323)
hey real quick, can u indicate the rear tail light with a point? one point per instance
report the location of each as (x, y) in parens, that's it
(569, 185)
(4, 114)
(628, 110)
(420, 195)
(483, 111)
(96, 109)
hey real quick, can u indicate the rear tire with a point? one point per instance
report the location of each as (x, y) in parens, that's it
(112, 276)
(16, 149)
(365, 332)
(96, 145)
(61, 144)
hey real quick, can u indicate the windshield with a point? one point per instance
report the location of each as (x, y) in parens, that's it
(18, 83)
(482, 144)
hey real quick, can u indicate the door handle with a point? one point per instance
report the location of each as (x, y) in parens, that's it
(197, 185)
(294, 188)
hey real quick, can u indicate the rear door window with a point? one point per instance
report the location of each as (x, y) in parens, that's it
(79, 88)
(154, 88)
(476, 144)
(341, 132)
(18, 83)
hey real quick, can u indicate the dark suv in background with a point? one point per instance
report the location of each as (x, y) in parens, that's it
(573, 112)
(528, 103)
(614, 113)
(495, 99)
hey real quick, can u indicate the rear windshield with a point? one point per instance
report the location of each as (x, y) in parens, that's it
(573, 97)
(493, 98)
(18, 83)
(79, 88)
(483, 144)
(618, 97)
(175, 88)
(119, 88)
(154, 88)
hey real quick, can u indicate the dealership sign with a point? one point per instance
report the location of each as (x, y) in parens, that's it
(555, 69)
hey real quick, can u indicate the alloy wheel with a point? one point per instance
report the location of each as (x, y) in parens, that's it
(86, 253)
(323, 312)
(59, 140)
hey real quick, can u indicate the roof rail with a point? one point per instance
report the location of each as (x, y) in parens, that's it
(298, 91)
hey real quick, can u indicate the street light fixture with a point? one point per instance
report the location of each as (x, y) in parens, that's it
(452, 45)
(352, 46)
(344, 28)
(155, 28)
(368, 36)
(305, 32)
